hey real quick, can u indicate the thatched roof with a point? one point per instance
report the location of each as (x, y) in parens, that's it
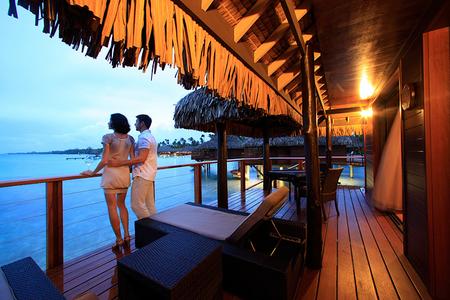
(200, 110)
(233, 142)
(297, 141)
(248, 49)
(239, 142)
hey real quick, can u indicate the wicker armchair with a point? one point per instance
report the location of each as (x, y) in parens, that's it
(329, 188)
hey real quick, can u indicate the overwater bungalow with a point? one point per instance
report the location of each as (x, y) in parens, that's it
(381, 67)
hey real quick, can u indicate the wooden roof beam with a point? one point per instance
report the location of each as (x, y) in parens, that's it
(296, 96)
(289, 11)
(281, 60)
(287, 77)
(216, 26)
(293, 88)
(206, 4)
(250, 18)
(276, 36)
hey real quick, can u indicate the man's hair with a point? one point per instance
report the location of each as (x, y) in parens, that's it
(146, 119)
(119, 123)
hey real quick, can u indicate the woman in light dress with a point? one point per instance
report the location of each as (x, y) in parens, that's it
(116, 180)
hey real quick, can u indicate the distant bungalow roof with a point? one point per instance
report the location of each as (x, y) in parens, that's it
(200, 110)
(239, 142)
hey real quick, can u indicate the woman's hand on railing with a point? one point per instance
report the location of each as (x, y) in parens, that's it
(87, 173)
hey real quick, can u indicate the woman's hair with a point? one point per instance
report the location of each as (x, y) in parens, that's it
(119, 123)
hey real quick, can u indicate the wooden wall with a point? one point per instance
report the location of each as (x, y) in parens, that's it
(436, 64)
(414, 181)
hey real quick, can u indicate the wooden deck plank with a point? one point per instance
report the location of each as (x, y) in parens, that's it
(380, 274)
(346, 288)
(397, 246)
(400, 279)
(359, 246)
(363, 276)
(308, 285)
(328, 274)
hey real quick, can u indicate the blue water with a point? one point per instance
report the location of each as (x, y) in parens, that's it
(85, 218)
(86, 223)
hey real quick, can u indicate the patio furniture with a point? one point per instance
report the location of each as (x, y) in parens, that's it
(220, 224)
(329, 188)
(174, 266)
(26, 281)
(267, 268)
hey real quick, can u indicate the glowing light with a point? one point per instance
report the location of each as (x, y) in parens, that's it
(365, 88)
(367, 113)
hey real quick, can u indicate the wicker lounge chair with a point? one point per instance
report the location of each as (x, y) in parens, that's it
(26, 280)
(269, 267)
(220, 224)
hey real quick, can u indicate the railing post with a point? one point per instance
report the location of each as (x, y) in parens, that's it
(198, 183)
(55, 253)
(267, 163)
(242, 171)
(222, 156)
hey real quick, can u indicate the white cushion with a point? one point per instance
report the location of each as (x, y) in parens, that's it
(205, 221)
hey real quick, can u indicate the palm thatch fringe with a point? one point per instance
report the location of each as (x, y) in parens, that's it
(201, 110)
(153, 33)
(346, 130)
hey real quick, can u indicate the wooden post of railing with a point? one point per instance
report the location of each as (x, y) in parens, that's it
(198, 184)
(222, 185)
(267, 163)
(300, 165)
(55, 255)
(329, 151)
(242, 171)
(313, 210)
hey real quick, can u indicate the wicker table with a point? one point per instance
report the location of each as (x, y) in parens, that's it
(175, 266)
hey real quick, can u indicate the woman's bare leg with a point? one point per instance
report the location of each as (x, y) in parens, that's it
(111, 202)
(123, 213)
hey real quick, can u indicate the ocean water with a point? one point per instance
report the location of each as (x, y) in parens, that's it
(85, 218)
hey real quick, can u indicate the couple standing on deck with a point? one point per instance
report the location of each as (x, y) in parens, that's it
(120, 152)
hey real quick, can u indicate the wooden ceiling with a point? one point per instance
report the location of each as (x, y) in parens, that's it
(253, 46)
(348, 37)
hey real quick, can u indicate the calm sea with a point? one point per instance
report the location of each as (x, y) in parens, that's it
(86, 224)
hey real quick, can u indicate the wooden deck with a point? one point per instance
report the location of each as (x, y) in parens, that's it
(362, 257)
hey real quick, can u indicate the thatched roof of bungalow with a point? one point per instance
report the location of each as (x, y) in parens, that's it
(171, 149)
(201, 110)
(239, 142)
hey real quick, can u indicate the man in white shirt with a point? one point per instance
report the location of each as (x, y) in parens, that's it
(144, 169)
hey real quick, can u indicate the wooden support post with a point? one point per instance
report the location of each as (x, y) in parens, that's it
(222, 184)
(267, 163)
(242, 172)
(198, 184)
(329, 151)
(313, 210)
(55, 254)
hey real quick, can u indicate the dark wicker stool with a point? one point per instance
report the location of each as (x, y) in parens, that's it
(175, 266)
(28, 282)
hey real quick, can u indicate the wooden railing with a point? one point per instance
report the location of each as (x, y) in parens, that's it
(54, 197)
